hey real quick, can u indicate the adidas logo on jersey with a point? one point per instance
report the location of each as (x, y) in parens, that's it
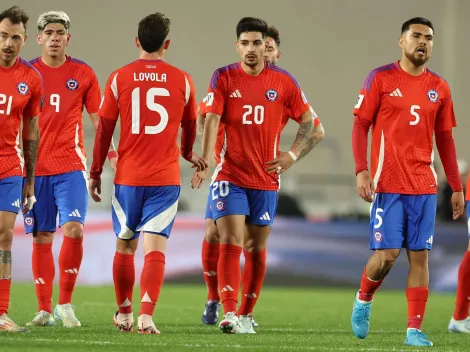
(236, 94)
(265, 217)
(396, 93)
(16, 203)
(75, 213)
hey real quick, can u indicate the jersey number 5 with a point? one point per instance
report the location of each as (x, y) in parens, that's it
(8, 101)
(257, 113)
(415, 114)
(152, 106)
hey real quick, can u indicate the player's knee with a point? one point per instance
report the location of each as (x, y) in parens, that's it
(387, 258)
(126, 246)
(211, 235)
(73, 230)
(251, 245)
(43, 237)
(418, 259)
(6, 237)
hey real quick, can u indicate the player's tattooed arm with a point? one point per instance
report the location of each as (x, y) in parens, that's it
(302, 139)
(30, 146)
(318, 133)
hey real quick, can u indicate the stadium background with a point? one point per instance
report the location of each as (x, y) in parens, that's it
(330, 46)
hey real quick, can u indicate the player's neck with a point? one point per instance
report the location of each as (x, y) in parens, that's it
(407, 66)
(253, 71)
(151, 56)
(53, 62)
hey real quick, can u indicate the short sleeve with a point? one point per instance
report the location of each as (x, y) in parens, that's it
(190, 109)
(109, 107)
(93, 94)
(35, 102)
(368, 101)
(216, 93)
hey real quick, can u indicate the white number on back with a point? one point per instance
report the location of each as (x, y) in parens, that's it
(55, 101)
(256, 111)
(8, 101)
(415, 114)
(152, 106)
(223, 189)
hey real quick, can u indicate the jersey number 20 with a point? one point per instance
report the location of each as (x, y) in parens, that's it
(152, 106)
(253, 114)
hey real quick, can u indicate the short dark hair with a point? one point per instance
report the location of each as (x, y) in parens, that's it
(274, 33)
(252, 24)
(153, 30)
(16, 15)
(416, 20)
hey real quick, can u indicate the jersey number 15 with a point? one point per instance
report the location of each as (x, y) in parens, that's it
(152, 106)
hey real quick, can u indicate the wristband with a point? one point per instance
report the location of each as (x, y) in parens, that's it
(293, 156)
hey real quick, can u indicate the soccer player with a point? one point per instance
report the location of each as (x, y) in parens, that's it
(460, 320)
(210, 245)
(20, 102)
(61, 180)
(153, 99)
(249, 98)
(406, 104)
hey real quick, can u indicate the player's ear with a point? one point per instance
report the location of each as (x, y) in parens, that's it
(166, 44)
(68, 38)
(137, 43)
(400, 41)
(278, 54)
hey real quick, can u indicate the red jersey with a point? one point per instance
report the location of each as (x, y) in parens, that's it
(21, 91)
(66, 90)
(153, 98)
(252, 108)
(405, 111)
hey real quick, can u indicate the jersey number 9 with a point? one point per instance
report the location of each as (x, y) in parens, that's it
(152, 106)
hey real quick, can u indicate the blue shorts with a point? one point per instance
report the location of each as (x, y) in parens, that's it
(228, 199)
(402, 221)
(11, 193)
(208, 207)
(64, 194)
(150, 209)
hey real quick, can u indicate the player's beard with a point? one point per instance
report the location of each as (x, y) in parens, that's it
(415, 59)
(252, 63)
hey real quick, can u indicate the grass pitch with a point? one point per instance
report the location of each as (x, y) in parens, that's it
(290, 320)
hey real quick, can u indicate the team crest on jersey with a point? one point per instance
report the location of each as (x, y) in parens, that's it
(432, 95)
(72, 84)
(271, 94)
(23, 88)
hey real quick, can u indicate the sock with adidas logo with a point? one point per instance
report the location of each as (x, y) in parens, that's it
(151, 281)
(70, 259)
(253, 277)
(43, 274)
(228, 271)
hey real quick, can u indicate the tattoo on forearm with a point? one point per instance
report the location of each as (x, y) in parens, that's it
(5, 257)
(303, 136)
(30, 149)
(316, 137)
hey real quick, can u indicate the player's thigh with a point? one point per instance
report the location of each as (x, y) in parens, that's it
(263, 206)
(256, 237)
(127, 203)
(159, 210)
(211, 233)
(387, 222)
(43, 216)
(421, 214)
(11, 190)
(71, 194)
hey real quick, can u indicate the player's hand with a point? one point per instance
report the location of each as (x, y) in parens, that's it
(365, 186)
(279, 165)
(199, 177)
(95, 189)
(198, 162)
(28, 197)
(458, 204)
(113, 163)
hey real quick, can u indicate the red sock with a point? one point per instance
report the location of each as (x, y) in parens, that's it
(252, 281)
(417, 298)
(5, 285)
(151, 281)
(462, 303)
(43, 274)
(210, 258)
(70, 259)
(368, 288)
(228, 270)
(124, 278)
